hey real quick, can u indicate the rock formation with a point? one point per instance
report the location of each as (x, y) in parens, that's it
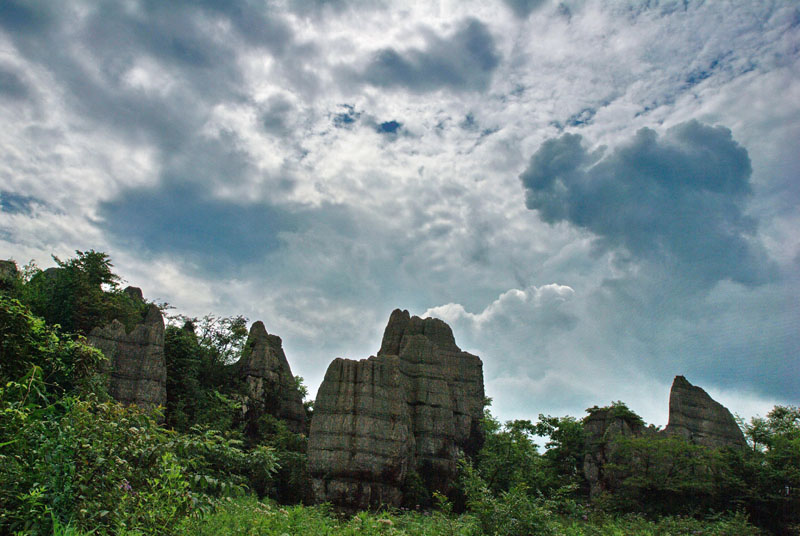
(413, 408)
(699, 418)
(8, 273)
(138, 371)
(270, 385)
(693, 415)
(602, 428)
(134, 293)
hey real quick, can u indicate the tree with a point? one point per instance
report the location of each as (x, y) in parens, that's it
(765, 479)
(80, 294)
(663, 474)
(565, 448)
(510, 457)
(27, 343)
(201, 386)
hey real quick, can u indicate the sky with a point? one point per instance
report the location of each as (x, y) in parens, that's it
(597, 196)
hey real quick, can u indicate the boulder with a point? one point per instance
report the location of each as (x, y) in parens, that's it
(693, 414)
(138, 371)
(413, 408)
(270, 385)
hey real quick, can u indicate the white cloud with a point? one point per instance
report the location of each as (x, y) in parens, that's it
(513, 306)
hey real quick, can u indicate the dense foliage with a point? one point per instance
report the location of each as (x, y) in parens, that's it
(79, 294)
(69, 456)
(203, 389)
(72, 461)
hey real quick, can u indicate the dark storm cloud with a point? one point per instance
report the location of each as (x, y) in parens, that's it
(523, 8)
(316, 7)
(188, 55)
(26, 17)
(677, 201)
(185, 220)
(254, 21)
(463, 61)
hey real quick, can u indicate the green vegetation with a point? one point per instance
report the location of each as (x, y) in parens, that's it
(619, 410)
(79, 294)
(74, 462)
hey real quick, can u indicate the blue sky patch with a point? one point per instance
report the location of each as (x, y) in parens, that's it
(388, 127)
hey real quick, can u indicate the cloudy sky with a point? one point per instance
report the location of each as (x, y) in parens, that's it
(597, 196)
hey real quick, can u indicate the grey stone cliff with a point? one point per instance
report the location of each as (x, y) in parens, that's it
(270, 385)
(416, 406)
(138, 371)
(693, 414)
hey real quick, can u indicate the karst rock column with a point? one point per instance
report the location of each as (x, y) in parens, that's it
(699, 418)
(412, 410)
(138, 370)
(270, 385)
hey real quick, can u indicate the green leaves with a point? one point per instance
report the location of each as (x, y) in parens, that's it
(80, 294)
(619, 410)
(29, 348)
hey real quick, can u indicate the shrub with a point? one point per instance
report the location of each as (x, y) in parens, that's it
(106, 467)
(26, 342)
(511, 513)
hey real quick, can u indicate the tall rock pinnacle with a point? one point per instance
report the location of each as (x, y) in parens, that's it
(408, 412)
(138, 367)
(270, 384)
(694, 415)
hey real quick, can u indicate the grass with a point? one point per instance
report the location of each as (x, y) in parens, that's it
(249, 517)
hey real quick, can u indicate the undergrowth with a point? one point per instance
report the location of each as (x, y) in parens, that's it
(247, 516)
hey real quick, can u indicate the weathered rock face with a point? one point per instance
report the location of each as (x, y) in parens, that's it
(414, 407)
(602, 428)
(270, 384)
(361, 444)
(699, 418)
(138, 371)
(444, 391)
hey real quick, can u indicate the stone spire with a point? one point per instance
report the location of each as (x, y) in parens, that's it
(696, 416)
